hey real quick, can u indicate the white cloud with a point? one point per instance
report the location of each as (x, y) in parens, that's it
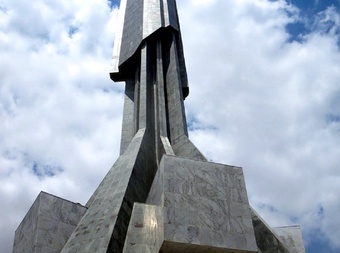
(58, 108)
(273, 106)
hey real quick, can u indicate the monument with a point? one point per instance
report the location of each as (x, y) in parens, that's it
(161, 195)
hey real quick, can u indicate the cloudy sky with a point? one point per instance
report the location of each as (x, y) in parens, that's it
(264, 94)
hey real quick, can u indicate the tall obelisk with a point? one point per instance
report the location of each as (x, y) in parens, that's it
(161, 195)
(148, 56)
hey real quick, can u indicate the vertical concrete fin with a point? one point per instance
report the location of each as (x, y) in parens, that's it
(128, 125)
(175, 105)
(103, 227)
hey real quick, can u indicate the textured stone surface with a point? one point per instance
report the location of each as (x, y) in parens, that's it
(200, 206)
(292, 237)
(47, 225)
(205, 204)
(146, 229)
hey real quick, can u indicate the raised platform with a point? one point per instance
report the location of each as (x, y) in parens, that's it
(192, 206)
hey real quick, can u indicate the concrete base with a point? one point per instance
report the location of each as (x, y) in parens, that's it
(192, 206)
(47, 225)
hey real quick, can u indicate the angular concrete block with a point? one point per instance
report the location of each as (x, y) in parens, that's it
(205, 207)
(292, 237)
(146, 229)
(47, 225)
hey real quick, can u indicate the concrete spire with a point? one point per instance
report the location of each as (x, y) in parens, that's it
(148, 57)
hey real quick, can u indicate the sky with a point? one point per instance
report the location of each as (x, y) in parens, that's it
(264, 95)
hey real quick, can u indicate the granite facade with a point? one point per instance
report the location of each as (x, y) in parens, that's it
(195, 207)
(205, 205)
(47, 225)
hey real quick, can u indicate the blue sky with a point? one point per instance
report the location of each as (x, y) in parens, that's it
(114, 2)
(309, 11)
(264, 95)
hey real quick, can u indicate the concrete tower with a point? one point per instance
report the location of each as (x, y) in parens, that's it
(161, 195)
